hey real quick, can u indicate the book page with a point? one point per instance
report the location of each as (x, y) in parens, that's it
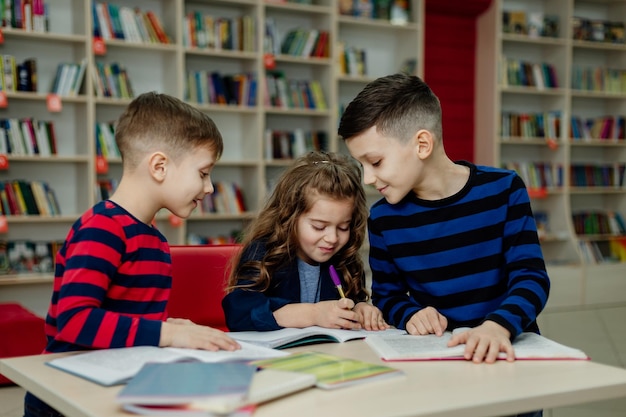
(395, 346)
(290, 336)
(113, 366)
(432, 347)
(116, 366)
(534, 346)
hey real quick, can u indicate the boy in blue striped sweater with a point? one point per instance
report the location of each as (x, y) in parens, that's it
(452, 244)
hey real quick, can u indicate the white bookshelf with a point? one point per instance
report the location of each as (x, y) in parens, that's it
(576, 281)
(163, 68)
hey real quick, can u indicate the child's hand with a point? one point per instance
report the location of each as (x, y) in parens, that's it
(370, 317)
(427, 321)
(485, 342)
(183, 333)
(336, 314)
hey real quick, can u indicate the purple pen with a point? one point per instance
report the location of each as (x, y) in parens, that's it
(336, 280)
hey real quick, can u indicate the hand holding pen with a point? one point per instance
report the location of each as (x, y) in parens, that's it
(370, 317)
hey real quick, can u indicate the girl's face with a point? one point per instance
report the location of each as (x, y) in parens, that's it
(324, 229)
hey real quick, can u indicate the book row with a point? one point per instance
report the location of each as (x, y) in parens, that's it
(597, 252)
(530, 74)
(293, 94)
(352, 60)
(18, 77)
(597, 175)
(598, 30)
(280, 144)
(227, 198)
(531, 125)
(206, 87)
(219, 33)
(603, 127)
(111, 21)
(537, 174)
(68, 79)
(601, 79)
(30, 15)
(112, 80)
(27, 136)
(19, 197)
(305, 43)
(396, 11)
(534, 23)
(294, 41)
(105, 140)
(24, 256)
(599, 223)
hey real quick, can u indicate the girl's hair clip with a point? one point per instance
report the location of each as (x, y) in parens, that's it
(321, 162)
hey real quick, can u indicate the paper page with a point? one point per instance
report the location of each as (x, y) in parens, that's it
(394, 346)
(532, 345)
(113, 366)
(276, 338)
(248, 351)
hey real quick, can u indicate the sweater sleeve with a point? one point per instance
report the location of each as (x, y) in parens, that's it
(389, 288)
(90, 265)
(528, 282)
(250, 309)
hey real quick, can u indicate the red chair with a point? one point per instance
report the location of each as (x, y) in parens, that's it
(22, 333)
(199, 275)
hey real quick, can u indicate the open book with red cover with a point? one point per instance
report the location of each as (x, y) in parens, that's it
(405, 347)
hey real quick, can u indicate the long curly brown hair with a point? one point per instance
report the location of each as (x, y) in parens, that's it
(328, 174)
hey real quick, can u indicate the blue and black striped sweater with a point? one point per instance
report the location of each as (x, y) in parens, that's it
(473, 256)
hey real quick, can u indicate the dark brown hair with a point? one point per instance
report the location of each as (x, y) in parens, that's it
(398, 105)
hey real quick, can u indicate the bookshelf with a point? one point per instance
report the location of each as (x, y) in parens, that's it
(247, 161)
(584, 264)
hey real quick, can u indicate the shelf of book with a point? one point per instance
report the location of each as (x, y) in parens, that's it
(565, 139)
(176, 64)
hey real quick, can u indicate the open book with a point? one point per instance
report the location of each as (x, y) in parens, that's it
(116, 366)
(190, 388)
(290, 337)
(331, 371)
(405, 347)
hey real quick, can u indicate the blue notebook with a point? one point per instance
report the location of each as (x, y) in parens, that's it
(217, 387)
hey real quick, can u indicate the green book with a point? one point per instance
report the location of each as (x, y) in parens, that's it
(331, 371)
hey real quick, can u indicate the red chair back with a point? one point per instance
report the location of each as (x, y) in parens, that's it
(199, 275)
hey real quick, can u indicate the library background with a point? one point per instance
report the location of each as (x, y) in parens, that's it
(540, 89)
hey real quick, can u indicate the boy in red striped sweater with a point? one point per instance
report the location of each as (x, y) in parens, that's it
(113, 273)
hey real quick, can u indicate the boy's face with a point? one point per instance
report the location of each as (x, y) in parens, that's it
(189, 181)
(324, 229)
(391, 166)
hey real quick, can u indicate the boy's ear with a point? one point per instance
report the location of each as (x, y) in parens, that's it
(424, 143)
(157, 165)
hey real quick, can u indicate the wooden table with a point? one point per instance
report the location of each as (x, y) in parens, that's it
(434, 388)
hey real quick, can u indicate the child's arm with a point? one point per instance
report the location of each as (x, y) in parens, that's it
(335, 314)
(186, 334)
(370, 317)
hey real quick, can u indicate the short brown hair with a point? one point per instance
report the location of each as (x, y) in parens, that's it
(152, 121)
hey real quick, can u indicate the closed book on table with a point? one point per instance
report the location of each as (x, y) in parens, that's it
(202, 389)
